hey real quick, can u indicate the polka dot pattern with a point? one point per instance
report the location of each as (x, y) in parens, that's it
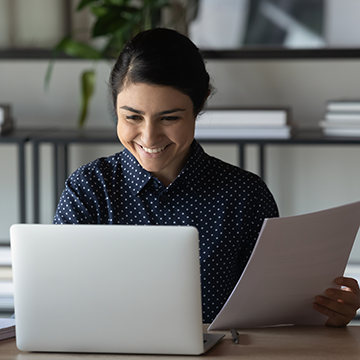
(225, 203)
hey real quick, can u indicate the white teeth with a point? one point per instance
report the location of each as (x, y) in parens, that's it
(153, 151)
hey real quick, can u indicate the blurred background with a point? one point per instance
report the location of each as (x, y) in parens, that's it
(254, 51)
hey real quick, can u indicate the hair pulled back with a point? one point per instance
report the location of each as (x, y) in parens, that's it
(162, 57)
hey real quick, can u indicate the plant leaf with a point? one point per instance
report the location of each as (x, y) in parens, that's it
(48, 74)
(50, 68)
(99, 11)
(111, 22)
(78, 49)
(87, 91)
(117, 2)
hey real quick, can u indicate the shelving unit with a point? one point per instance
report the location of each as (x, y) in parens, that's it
(61, 139)
(19, 137)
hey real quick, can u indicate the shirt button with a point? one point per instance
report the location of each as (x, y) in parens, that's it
(156, 184)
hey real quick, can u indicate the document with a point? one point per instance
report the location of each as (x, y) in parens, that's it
(295, 259)
(7, 328)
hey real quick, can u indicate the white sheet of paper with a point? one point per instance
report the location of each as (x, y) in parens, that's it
(7, 328)
(295, 259)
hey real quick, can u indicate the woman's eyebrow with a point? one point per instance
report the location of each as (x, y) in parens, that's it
(170, 111)
(128, 108)
(132, 110)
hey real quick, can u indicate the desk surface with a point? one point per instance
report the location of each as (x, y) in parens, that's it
(318, 342)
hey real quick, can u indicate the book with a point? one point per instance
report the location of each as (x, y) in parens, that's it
(6, 289)
(244, 117)
(345, 129)
(5, 255)
(6, 122)
(355, 132)
(7, 328)
(6, 127)
(245, 132)
(5, 273)
(343, 117)
(6, 295)
(343, 105)
(4, 113)
(6, 284)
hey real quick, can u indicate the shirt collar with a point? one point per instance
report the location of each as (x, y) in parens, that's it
(192, 175)
(134, 174)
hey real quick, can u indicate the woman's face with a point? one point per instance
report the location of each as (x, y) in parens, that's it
(156, 124)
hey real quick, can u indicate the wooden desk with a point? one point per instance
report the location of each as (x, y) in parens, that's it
(311, 343)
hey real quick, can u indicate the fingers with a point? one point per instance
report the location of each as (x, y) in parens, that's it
(341, 297)
(350, 283)
(346, 297)
(337, 307)
(338, 313)
(334, 318)
(340, 305)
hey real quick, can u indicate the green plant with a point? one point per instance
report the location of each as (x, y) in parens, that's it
(116, 21)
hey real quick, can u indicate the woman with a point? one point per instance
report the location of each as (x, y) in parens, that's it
(159, 85)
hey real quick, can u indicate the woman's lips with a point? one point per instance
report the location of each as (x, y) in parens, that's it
(153, 151)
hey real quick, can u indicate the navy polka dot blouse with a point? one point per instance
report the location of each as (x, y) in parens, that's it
(225, 203)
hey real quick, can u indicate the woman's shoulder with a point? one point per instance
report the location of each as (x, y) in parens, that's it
(99, 165)
(224, 179)
(213, 167)
(230, 172)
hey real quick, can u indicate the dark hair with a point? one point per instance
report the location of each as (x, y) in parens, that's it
(162, 57)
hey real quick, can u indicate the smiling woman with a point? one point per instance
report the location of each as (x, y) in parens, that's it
(156, 124)
(159, 85)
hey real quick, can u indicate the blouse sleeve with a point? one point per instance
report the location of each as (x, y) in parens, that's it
(77, 204)
(260, 205)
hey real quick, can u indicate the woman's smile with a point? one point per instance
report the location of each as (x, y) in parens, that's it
(152, 151)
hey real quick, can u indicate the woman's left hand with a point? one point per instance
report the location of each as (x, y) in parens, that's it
(340, 305)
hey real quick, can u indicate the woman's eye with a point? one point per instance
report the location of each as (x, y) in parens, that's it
(170, 118)
(133, 117)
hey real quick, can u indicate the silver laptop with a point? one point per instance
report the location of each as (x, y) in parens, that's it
(108, 289)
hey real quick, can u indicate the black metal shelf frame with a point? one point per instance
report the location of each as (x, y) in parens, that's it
(61, 139)
(241, 54)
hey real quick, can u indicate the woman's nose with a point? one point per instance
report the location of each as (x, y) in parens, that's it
(151, 134)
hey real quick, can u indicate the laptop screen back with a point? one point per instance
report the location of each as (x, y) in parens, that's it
(107, 288)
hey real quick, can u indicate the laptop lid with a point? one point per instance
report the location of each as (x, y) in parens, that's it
(107, 288)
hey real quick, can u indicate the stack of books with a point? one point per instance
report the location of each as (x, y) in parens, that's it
(342, 118)
(7, 328)
(6, 121)
(255, 123)
(6, 283)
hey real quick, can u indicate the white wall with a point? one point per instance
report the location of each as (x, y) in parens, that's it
(302, 178)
